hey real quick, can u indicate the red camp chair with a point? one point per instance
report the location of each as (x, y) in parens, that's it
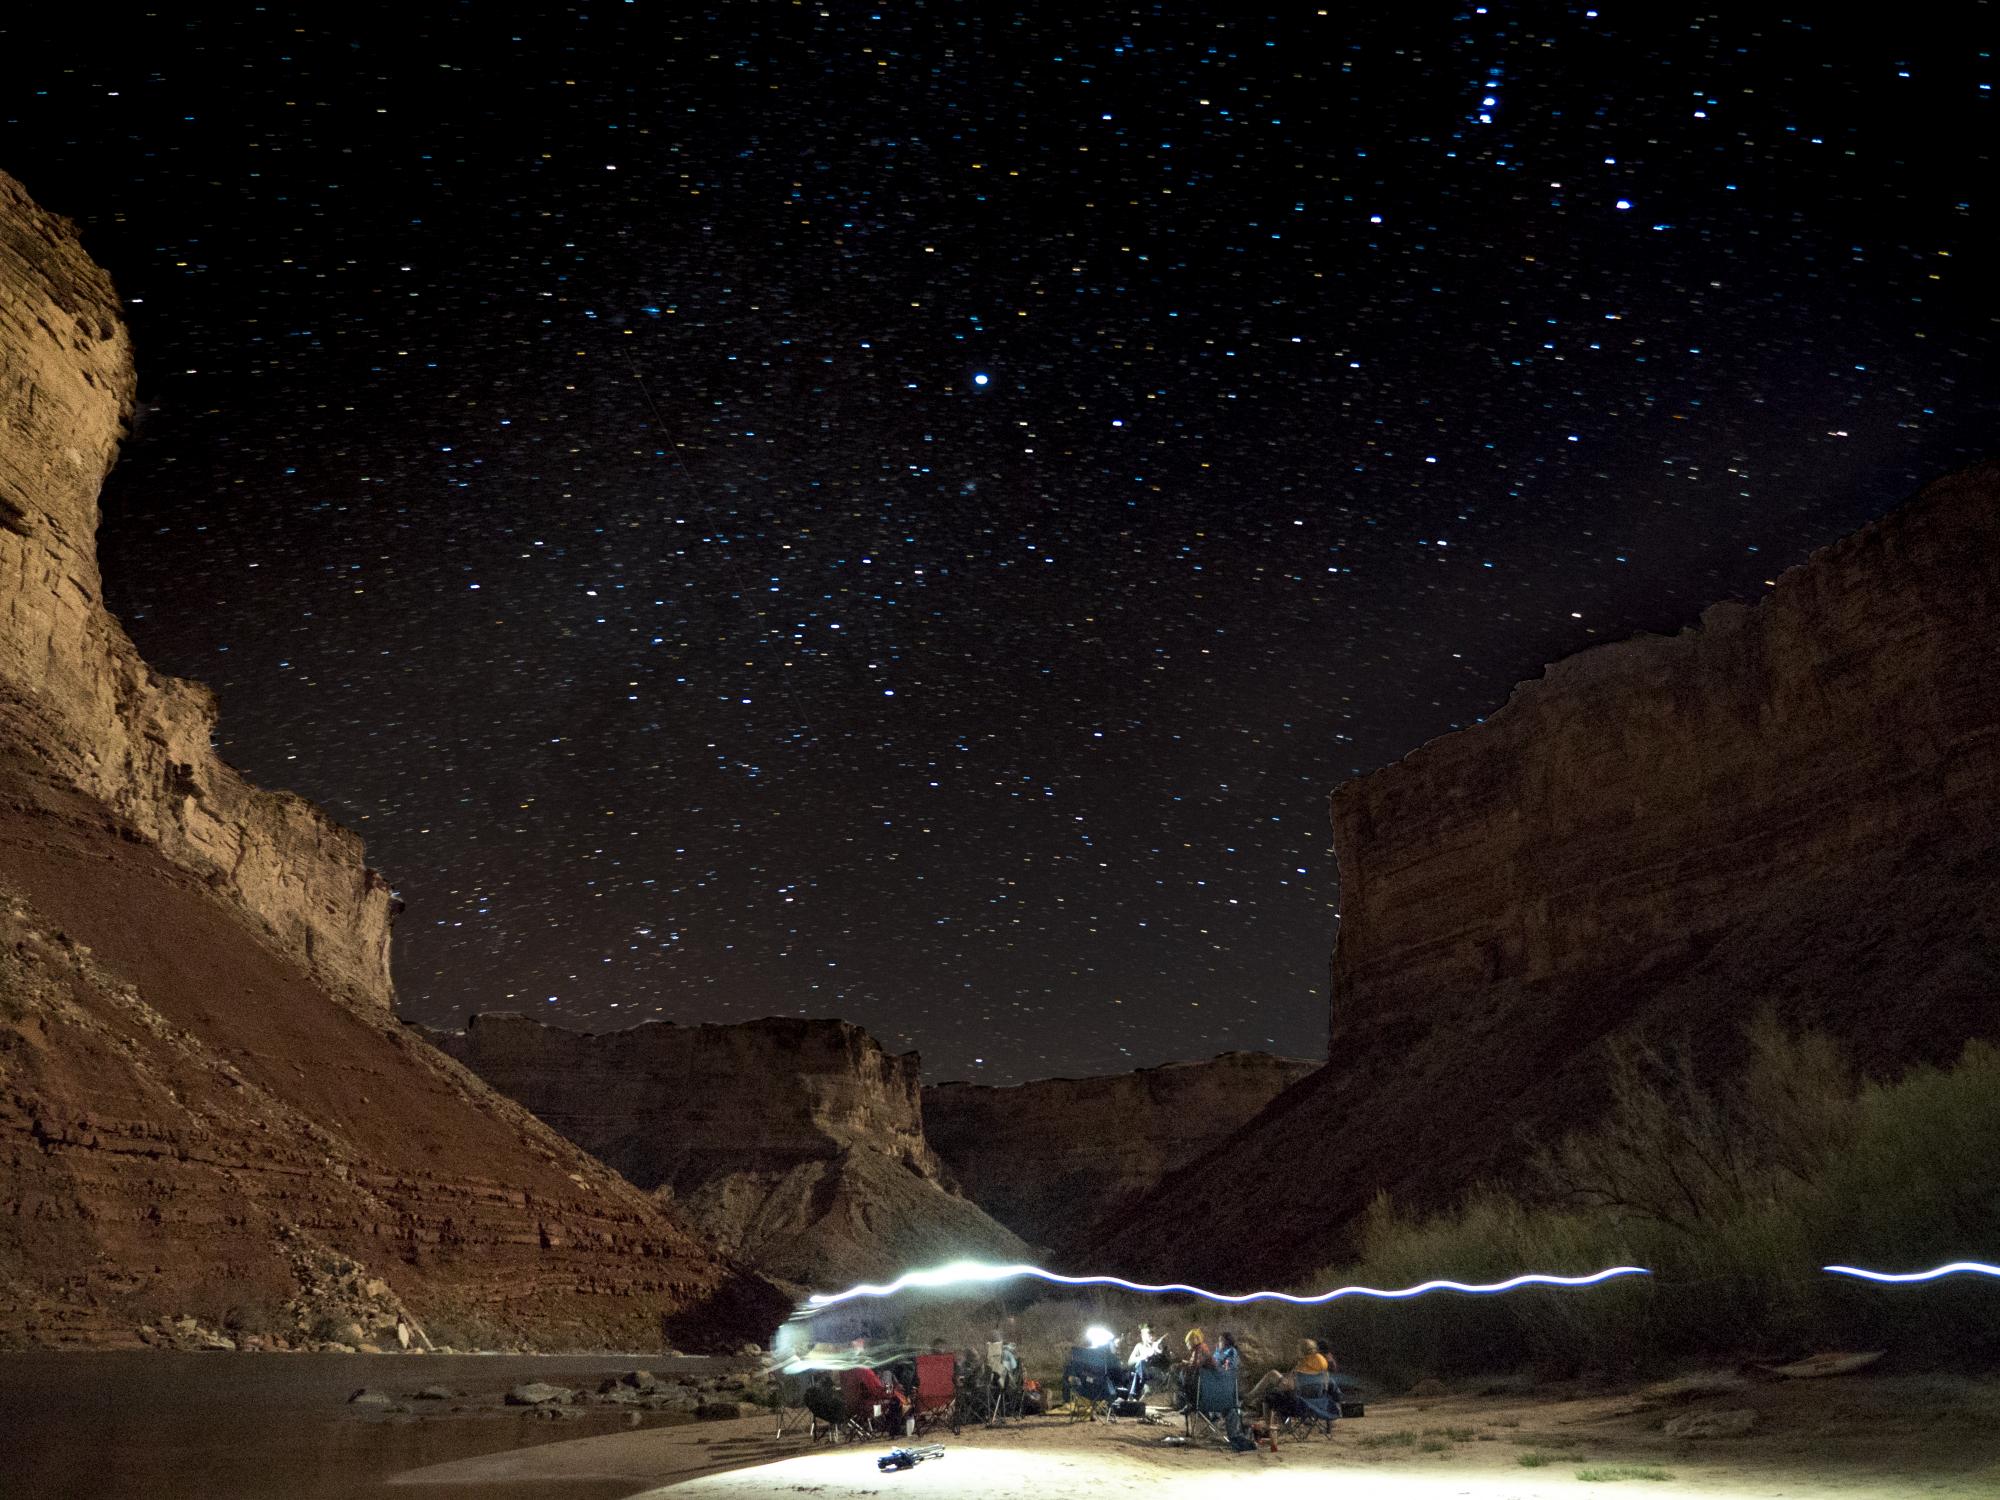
(870, 1410)
(936, 1404)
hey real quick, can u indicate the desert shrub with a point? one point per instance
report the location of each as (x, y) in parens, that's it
(1603, 1473)
(1734, 1195)
(1404, 1439)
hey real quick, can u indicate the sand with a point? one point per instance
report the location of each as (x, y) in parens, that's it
(1865, 1439)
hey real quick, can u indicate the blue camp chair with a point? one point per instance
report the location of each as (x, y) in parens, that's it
(1088, 1382)
(1311, 1405)
(1215, 1406)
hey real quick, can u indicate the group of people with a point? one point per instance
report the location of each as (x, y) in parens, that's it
(1273, 1390)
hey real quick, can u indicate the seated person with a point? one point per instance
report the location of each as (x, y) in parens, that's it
(1199, 1357)
(871, 1400)
(1137, 1374)
(1310, 1362)
(1226, 1357)
(822, 1399)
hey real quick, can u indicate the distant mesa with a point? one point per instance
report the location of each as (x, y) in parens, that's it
(1793, 805)
(212, 1130)
(1062, 1160)
(795, 1145)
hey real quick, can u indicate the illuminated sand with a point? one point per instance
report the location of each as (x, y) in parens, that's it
(1863, 1439)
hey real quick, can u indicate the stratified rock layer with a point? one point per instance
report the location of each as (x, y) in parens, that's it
(1795, 805)
(1054, 1159)
(208, 1116)
(73, 687)
(797, 1145)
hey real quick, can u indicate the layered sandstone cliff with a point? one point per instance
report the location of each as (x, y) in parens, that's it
(71, 683)
(208, 1115)
(1055, 1158)
(797, 1145)
(1794, 805)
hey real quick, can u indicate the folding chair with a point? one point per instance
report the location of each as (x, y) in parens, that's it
(1312, 1405)
(867, 1404)
(794, 1415)
(1087, 1384)
(1003, 1390)
(936, 1402)
(1215, 1406)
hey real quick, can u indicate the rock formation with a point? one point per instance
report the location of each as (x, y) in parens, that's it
(208, 1116)
(1054, 1159)
(796, 1145)
(72, 685)
(1794, 805)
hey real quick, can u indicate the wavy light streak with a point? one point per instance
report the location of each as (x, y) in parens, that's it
(1956, 1268)
(972, 1272)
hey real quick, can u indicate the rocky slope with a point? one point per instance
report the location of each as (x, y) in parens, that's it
(1795, 805)
(208, 1115)
(797, 1145)
(1055, 1158)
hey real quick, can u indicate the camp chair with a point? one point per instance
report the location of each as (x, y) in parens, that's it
(1003, 1389)
(1087, 1383)
(867, 1405)
(794, 1415)
(1311, 1405)
(1215, 1406)
(936, 1401)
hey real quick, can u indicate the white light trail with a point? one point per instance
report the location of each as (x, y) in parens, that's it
(972, 1272)
(1956, 1268)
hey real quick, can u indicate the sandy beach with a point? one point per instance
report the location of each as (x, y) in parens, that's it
(1863, 1439)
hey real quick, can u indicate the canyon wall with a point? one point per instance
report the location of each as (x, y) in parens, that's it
(72, 685)
(212, 1128)
(1053, 1158)
(1792, 806)
(796, 1145)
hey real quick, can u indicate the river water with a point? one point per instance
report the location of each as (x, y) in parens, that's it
(106, 1426)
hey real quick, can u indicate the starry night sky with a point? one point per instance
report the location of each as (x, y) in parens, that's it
(907, 514)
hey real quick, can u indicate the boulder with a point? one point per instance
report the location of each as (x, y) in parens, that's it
(540, 1393)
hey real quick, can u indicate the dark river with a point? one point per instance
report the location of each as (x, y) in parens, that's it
(251, 1426)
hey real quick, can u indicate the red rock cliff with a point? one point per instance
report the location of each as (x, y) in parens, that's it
(795, 1144)
(208, 1116)
(71, 684)
(1629, 806)
(1055, 1158)
(1793, 805)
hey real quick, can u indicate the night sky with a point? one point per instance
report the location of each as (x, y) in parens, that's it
(908, 514)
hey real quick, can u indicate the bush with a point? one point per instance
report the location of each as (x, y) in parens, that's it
(1734, 1195)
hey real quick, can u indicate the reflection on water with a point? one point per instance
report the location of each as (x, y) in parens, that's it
(251, 1426)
